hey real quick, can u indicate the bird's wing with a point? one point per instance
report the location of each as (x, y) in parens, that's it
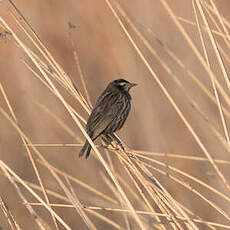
(101, 116)
(101, 125)
(99, 121)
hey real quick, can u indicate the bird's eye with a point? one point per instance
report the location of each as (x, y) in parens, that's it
(122, 83)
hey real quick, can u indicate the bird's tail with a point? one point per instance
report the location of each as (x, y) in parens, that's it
(87, 147)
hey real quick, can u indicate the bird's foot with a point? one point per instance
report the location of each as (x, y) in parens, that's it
(112, 142)
(112, 146)
(130, 155)
(118, 142)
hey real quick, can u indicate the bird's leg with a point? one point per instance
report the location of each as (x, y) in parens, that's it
(114, 137)
(107, 140)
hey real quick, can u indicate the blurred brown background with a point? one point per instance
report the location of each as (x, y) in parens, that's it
(106, 54)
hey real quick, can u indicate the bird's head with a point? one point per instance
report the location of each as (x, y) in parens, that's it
(122, 84)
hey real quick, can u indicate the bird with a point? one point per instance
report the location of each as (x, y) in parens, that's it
(109, 113)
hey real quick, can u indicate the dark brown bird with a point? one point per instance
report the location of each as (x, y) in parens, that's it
(109, 113)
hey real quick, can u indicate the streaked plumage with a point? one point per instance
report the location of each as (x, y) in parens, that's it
(109, 113)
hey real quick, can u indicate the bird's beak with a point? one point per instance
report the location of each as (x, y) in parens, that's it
(131, 85)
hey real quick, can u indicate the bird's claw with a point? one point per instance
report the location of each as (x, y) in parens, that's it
(113, 146)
